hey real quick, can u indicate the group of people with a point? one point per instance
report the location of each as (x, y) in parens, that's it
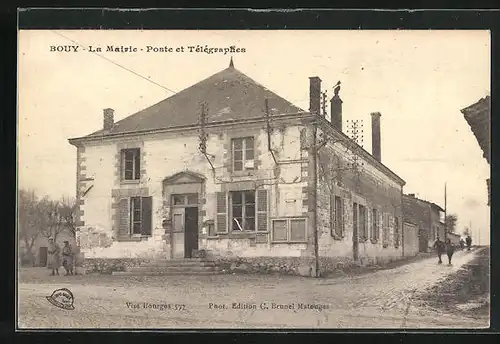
(54, 257)
(448, 248)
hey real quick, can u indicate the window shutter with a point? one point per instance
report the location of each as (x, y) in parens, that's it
(123, 218)
(221, 220)
(262, 211)
(332, 215)
(146, 214)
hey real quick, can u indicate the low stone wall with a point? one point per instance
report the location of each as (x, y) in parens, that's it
(108, 265)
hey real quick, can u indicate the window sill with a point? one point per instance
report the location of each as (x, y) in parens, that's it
(133, 238)
(135, 181)
(246, 173)
(288, 242)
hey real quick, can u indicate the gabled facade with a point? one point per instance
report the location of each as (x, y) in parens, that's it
(146, 190)
(427, 216)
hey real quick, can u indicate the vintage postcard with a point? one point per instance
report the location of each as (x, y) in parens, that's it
(253, 179)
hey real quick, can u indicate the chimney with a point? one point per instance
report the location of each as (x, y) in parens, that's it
(336, 109)
(376, 135)
(108, 119)
(315, 95)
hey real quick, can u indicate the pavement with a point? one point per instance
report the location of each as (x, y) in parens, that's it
(382, 299)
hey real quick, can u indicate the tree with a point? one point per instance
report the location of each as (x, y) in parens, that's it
(451, 223)
(67, 209)
(28, 221)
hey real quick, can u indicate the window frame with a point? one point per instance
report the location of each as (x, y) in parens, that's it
(132, 216)
(362, 223)
(243, 211)
(244, 148)
(336, 216)
(136, 164)
(289, 230)
(375, 230)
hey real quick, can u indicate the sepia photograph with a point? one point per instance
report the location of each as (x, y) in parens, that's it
(253, 179)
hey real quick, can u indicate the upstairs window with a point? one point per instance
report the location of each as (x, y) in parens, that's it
(131, 164)
(243, 154)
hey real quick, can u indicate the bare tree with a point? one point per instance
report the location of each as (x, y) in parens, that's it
(67, 210)
(52, 220)
(29, 220)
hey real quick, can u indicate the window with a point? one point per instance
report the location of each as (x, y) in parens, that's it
(336, 216)
(140, 211)
(243, 210)
(385, 233)
(375, 225)
(362, 223)
(131, 164)
(185, 199)
(291, 230)
(243, 154)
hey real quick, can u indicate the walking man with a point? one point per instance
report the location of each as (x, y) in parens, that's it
(450, 249)
(67, 253)
(53, 260)
(440, 248)
(468, 241)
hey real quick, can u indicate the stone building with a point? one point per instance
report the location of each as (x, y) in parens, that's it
(427, 216)
(240, 182)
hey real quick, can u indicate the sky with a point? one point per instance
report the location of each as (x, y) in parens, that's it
(418, 80)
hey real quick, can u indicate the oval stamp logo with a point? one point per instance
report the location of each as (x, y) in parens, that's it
(62, 298)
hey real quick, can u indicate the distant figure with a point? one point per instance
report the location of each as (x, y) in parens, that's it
(67, 256)
(53, 260)
(440, 248)
(462, 243)
(450, 249)
(468, 241)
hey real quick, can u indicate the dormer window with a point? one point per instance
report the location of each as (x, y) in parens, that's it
(243, 154)
(131, 164)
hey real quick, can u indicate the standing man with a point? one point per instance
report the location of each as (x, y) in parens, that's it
(67, 255)
(468, 241)
(450, 249)
(53, 260)
(440, 248)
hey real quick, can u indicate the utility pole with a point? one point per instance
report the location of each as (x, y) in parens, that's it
(445, 212)
(314, 193)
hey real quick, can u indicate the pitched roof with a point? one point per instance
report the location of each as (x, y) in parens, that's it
(230, 95)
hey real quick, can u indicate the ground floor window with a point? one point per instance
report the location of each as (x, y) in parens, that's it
(243, 210)
(140, 215)
(375, 225)
(336, 216)
(289, 230)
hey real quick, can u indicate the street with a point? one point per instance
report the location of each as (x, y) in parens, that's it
(382, 299)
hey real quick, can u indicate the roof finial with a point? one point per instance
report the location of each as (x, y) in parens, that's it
(231, 64)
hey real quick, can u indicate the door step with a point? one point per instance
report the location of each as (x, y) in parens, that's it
(191, 266)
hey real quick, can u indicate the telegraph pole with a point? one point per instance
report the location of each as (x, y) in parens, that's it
(445, 212)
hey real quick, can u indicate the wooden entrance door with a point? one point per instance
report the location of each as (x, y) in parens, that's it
(191, 231)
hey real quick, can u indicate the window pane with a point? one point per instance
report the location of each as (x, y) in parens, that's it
(238, 166)
(249, 143)
(237, 224)
(238, 144)
(129, 174)
(250, 223)
(136, 229)
(238, 155)
(249, 154)
(250, 210)
(250, 197)
(237, 197)
(237, 211)
(279, 230)
(137, 165)
(178, 199)
(192, 199)
(298, 230)
(129, 155)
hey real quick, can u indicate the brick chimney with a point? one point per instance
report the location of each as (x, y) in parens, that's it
(108, 119)
(336, 109)
(315, 95)
(376, 135)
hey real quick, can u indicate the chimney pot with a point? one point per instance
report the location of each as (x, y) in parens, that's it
(315, 95)
(376, 135)
(336, 109)
(108, 119)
